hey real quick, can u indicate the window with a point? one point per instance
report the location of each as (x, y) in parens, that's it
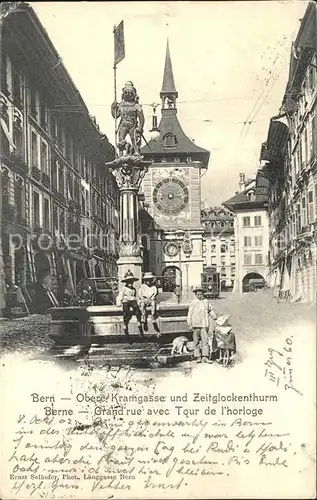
(19, 199)
(258, 241)
(44, 158)
(306, 144)
(62, 222)
(46, 215)
(61, 186)
(70, 187)
(298, 219)
(233, 270)
(304, 222)
(54, 175)
(33, 102)
(257, 220)
(213, 259)
(246, 221)
(54, 128)
(5, 187)
(310, 207)
(34, 151)
(314, 136)
(36, 209)
(247, 241)
(17, 88)
(251, 196)
(213, 248)
(18, 140)
(247, 259)
(258, 258)
(4, 82)
(223, 248)
(223, 271)
(55, 217)
(43, 121)
(223, 261)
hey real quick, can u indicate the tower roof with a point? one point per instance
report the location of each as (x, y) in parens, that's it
(172, 140)
(168, 86)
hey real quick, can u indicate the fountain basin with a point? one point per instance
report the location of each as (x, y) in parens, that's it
(104, 324)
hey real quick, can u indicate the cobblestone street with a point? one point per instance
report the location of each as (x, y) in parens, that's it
(27, 335)
(256, 317)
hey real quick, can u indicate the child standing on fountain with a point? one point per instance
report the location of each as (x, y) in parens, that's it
(127, 298)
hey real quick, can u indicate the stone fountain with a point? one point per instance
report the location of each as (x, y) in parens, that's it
(101, 325)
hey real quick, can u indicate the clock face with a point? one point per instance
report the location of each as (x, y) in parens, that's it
(170, 196)
(171, 249)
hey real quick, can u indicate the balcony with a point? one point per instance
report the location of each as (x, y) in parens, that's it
(15, 162)
(36, 173)
(46, 180)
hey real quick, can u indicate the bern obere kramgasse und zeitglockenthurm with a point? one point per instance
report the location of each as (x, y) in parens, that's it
(195, 397)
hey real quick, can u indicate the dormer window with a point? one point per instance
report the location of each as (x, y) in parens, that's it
(169, 140)
(251, 196)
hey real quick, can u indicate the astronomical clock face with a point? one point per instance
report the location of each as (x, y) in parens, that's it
(170, 196)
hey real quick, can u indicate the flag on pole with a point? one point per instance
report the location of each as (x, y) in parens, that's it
(119, 51)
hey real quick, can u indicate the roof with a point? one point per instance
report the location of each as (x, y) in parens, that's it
(216, 213)
(24, 27)
(168, 86)
(302, 51)
(169, 124)
(242, 200)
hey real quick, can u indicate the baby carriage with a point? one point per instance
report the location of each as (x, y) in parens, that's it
(223, 342)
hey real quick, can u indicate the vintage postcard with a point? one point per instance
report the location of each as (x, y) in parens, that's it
(158, 234)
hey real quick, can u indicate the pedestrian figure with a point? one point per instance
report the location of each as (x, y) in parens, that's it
(177, 292)
(148, 298)
(224, 341)
(128, 299)
(199, 314)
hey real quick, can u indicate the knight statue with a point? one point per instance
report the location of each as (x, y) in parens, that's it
(131, 121)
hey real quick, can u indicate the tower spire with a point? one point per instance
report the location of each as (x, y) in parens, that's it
(168, 93)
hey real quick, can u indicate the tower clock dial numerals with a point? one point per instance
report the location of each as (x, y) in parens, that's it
(170, 196)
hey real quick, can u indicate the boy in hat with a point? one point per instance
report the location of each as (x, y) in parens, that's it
(199, 313)
(127, 298)
(148, 297)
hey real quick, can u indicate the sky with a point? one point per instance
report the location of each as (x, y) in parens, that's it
(230, 62)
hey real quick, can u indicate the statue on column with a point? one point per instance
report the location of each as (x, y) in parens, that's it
(131, 121)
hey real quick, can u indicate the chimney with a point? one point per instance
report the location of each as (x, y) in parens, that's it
(241, 182)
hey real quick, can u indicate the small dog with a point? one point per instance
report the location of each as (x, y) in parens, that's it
(180, 346)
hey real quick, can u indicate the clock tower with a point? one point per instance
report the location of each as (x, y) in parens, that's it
(172, 192)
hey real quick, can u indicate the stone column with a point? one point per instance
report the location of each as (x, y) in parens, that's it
(129, 252)
(129, 171)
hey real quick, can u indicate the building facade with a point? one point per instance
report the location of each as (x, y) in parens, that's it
(251, 231)
(60, 206)
(290, 153)
(219, 244)
(172, 195)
